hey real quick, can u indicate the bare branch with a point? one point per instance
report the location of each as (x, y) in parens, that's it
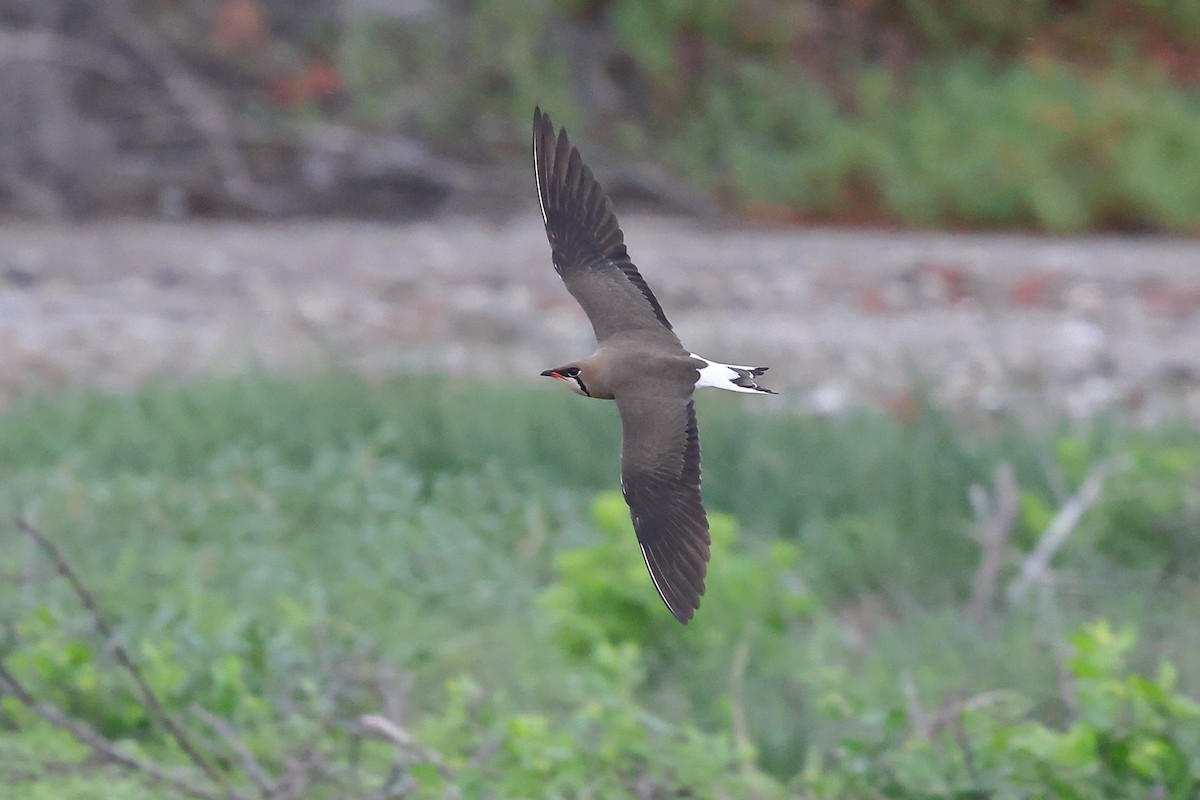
(1034, 568)
(384, 728)
(927, 724)
(995, 529)
(397, 734)
(302, 764)
(250, 765)
(398, 783)
(102, 746)
(122, 657)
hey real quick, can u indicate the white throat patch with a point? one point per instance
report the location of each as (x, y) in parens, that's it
(576, 386)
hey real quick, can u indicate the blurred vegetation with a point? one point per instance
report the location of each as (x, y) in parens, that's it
(1032, 114)
(1057, 115)
(263, 542)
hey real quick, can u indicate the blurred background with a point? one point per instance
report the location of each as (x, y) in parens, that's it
(274, 295)
(1067, 116)
(787, 172)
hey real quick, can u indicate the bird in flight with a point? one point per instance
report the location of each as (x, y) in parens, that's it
(640, 363)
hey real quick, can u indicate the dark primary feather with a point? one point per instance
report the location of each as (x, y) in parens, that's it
(586, 242)
(660, 477)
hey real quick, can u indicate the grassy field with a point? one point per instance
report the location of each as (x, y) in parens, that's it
(290, 555)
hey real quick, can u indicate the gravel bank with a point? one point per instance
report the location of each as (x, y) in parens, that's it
(988, 322)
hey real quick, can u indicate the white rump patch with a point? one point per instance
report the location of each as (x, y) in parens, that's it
(721, 376)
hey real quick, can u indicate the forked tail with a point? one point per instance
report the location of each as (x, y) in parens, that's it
(729, 377)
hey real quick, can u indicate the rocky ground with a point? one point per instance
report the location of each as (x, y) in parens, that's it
(988, 323)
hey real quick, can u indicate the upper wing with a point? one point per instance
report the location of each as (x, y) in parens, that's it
(586, 242)
(660, 476)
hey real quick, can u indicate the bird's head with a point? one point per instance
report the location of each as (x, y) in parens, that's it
(572, 375)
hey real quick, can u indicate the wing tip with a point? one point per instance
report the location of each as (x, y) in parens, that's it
(541, 120)
(558, 156)
(686, 609)
(575, 207)
(681, 597)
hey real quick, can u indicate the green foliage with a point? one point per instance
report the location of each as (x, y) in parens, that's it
(371, 64)
(463, 78)
(606, 746)
(37, 763)
(1180, 15)
(755, 602)
(1133, 736)
(1023, 113)
(601, 597)
(78, 681)
(947, 24)
(257, 541)
(1157, 494)
(968, 142)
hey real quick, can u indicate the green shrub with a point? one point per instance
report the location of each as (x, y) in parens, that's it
(257, 541)
(1063, 117)
(608, 745)
(603, 595)
(1157, 495)
(1132, 736)
(965, 142)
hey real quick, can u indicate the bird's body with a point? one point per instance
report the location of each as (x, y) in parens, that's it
(640, 363)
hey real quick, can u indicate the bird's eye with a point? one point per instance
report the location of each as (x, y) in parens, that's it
(571, 372)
